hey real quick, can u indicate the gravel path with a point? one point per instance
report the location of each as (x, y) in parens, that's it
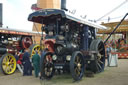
(111, 76)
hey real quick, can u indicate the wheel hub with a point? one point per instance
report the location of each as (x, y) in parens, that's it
(78, 65)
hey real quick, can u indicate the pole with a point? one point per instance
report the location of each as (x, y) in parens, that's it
(116, 28)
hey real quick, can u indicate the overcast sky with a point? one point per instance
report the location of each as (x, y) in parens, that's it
(15, 12)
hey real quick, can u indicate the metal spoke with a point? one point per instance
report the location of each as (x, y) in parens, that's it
(100, 49)
(77, 59)
(7, 69)
(99, 65)
(77, 66)
(11, 61)
(10, 67)
(4, 63)
(4, 67)
(48, 69)
(99, 45)
(99, 56)
(78, 72)
(100, 61)
(7, 58)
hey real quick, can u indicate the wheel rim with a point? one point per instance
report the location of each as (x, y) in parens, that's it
(34, 49)
(48, 65)
(9, 64)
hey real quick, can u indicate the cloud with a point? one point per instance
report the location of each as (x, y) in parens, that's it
(15, 14)
(95, 9)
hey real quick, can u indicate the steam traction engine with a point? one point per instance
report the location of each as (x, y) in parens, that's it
(70, 44)
(12, 42)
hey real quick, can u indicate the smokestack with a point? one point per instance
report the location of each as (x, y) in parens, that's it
(1, 15)
(63, 5)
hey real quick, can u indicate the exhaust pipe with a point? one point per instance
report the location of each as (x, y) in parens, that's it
(63, 5)
(1, 23)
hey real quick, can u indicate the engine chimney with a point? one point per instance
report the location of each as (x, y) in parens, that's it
(63, 5)
(1, 15)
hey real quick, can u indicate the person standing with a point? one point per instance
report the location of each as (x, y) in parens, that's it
(36, 63)
(108, 50)
(114, 57)
(18, 61)
(27, 71)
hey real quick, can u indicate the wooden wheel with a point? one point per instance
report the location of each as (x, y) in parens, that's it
(8, 64)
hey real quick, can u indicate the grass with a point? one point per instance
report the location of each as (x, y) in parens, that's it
(59, 80)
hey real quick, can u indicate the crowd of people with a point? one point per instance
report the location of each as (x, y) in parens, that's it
(25, 64)
(110, 48)
(120, 44)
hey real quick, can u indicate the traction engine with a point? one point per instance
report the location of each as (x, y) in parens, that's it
(12, 42)
(70, 44)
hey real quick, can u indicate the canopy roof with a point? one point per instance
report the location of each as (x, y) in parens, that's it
(17, 32)
(47, 14)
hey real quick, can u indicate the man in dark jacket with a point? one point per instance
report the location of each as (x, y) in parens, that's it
(36, 63)
(27, 64)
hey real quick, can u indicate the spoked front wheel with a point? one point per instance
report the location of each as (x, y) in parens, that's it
(47, 67)
(8, 64)
(77, 65)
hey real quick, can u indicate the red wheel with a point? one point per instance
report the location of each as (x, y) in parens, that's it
(26, 42)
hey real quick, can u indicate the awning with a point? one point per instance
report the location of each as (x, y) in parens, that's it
(38, 16)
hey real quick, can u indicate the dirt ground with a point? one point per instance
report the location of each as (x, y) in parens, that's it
(111, 76)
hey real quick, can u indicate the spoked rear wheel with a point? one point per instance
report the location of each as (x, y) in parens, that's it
(77, 66)
(47, 67)
(99, 63)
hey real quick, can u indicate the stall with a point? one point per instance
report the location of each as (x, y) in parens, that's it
(119, 38)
